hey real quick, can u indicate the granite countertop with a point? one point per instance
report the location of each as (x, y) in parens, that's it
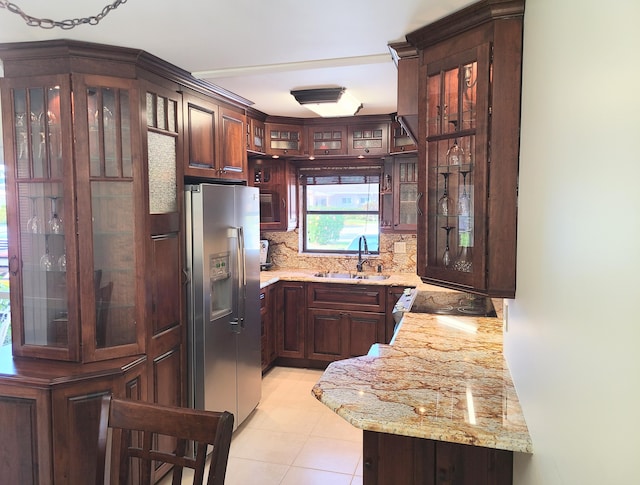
(441, 378)
(391, 279)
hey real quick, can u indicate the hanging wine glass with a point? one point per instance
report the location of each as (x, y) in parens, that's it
(46, 261)
(464, 201)
(445, 204)
(464, 261)
(455, 154)
(62, 262)
(55, 223)
(34, 224)
(446, 256)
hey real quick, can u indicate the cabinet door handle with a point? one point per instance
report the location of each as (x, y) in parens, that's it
(418, 203)
(284, 203)
(14, 268)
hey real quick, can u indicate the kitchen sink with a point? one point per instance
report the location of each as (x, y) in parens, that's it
(351, 276)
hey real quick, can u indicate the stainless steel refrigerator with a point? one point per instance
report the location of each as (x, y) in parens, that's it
(223, 268)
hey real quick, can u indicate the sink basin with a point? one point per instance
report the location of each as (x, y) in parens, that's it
(351, 276)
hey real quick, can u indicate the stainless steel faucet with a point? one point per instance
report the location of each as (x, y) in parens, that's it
(366, 250)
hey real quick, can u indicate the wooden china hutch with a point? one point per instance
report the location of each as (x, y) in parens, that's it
(97, 142)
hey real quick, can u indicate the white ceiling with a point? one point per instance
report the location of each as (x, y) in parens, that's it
(258, 49)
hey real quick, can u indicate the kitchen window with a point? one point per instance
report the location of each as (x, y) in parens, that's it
(341, 203)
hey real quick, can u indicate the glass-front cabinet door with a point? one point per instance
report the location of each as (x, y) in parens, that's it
(72, 258)
(456, 125)
(41, 216)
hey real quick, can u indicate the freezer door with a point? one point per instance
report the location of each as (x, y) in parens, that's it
(249, 370)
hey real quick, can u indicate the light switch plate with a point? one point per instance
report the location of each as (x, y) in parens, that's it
(400, 247)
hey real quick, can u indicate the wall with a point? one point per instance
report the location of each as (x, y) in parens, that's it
(284, 253)
(574, 327)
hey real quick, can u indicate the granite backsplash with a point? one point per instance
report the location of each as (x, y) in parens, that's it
(284, 253)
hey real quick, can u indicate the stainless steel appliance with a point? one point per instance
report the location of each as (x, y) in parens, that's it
(223, 254)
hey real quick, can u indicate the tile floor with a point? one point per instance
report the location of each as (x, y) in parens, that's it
(293, 439)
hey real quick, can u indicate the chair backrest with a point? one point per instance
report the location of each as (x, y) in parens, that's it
(135, 430)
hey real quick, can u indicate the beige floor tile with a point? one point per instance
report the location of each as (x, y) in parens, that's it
(286, 419)
(241, 471)
(267, 445)
(330, 455)
(330, 425)
(357, 480)
(307, 476)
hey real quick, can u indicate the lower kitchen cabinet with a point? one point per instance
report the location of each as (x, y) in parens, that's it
(49, 418)
(290, 320)
(392, 459)
(268, 333)
(344, 320)
(340, 334)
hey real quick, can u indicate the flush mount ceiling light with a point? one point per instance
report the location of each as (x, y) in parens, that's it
(328, 102)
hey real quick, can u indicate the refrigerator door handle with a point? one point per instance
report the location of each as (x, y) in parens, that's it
(242, 277)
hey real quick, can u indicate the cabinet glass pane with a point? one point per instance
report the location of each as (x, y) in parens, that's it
(451, 192)
(43, 257)
(114, 262)
(162, 173)
(407, 200)
(38, 142)
(108, 120)
(469, 95)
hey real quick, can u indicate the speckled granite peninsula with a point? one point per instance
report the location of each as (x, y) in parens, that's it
(442, 378)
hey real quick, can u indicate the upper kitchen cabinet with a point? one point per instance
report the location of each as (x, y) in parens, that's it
(276, 180)
(215, 140)
(327, 139)
(401, 140)
(233, 155)
(285, 139)
(74, 209)
(469, 115)
(370, 139)
(256, 140)
(399, 194)
(406, 56)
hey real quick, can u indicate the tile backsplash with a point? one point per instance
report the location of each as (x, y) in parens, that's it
(284, 253)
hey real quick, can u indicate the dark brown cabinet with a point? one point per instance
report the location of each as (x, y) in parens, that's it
(401, 141)
(74, 212)
(215, 146)
(290, 319)
(368, 139)
(276, 179)
(285, 139)
(392, 459)
(343, 320)
(399, 195)
(268, 333)
(325, 139)
(469, 133)
(256, 136)
(50, 422)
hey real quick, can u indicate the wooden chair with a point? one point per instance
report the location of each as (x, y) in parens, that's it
(135, 427)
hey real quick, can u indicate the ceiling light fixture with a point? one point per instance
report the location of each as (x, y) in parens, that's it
(328, 102)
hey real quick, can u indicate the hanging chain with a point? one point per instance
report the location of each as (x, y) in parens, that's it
(63, 24)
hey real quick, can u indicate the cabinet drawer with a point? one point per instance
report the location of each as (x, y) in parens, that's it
(346, 297)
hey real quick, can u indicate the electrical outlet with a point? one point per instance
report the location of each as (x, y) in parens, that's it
(400, 247)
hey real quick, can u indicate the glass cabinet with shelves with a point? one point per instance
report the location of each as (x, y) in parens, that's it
(71, 216)
(453, 167)
(469, 115)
